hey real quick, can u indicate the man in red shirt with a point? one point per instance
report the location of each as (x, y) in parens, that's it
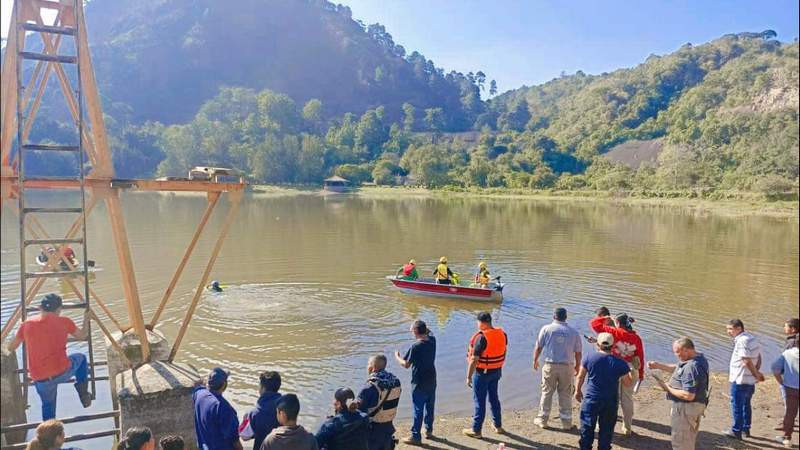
(628, 346)
(45, 338)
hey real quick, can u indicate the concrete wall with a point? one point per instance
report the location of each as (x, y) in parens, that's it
(13, 403)
(158, 395)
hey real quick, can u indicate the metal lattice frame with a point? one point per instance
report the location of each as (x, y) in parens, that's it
(98, 185)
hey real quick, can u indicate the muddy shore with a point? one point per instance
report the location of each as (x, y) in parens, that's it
(651, 425)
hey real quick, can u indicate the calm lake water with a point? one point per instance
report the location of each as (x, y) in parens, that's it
(307, 296)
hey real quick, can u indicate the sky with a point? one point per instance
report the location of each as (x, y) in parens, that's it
(520, 42)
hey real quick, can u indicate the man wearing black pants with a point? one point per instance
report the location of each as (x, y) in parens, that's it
(605, 372)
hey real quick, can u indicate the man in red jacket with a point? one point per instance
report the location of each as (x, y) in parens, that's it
(628, 346)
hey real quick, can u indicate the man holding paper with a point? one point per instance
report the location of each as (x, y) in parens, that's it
(687, 389)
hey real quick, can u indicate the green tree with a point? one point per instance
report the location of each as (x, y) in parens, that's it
(434, 119)
(409, 121)
(312, 114)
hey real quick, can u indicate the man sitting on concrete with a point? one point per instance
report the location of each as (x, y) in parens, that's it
(688, 390)
(45, 338)
(215, 420)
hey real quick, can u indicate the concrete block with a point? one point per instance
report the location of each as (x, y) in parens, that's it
(158, 395)
(129, 341)
(14, 404)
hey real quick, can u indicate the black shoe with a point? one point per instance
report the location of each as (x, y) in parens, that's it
(83, 393)
(746, 433)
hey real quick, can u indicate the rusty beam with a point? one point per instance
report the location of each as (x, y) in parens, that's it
(213, 197)
(235, 198)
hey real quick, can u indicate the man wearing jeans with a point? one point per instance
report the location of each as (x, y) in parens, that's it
(743, 376)
(486, 355)
(421, 358)
(688, 390)
(604, 372)
(561, 346)
(45, 338)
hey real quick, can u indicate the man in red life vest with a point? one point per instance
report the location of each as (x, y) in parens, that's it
(628, 346)
(485, 358)
(408, 271)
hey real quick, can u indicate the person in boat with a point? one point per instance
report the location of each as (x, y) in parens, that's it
(482, 278)
(442, 274)
(408, 271)
(214, 286)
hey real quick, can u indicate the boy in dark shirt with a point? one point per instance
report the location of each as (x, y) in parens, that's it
(421, 358)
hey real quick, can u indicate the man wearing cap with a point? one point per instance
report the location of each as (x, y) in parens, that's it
(215, 420)
(605, 371)
(421, 357)
(348, 429)
(486, 355)
(45, 337)
(628, 346)
(561, 346)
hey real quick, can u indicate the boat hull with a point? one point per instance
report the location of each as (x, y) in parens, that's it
(432, 289)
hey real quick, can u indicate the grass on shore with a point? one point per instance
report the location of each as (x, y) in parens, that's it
(729, 204)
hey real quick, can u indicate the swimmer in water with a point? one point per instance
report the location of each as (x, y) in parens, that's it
(214, 286)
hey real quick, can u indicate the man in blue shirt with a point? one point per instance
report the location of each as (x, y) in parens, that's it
(605, 371)
(560, 345)
(421, 357)
(379, 399)
(259, 422)
(688, 390)
(786, 370)
(215, 420)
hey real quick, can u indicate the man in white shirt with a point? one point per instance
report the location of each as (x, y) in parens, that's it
(743, 375)
(560, 345)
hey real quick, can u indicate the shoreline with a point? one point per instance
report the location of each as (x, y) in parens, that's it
(651, 424)
(740, 205)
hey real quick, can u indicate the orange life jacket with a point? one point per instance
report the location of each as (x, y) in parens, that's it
(407, 269)
(494, 355)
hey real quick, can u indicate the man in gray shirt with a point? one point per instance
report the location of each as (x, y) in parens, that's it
(688, 390)
(560, 345)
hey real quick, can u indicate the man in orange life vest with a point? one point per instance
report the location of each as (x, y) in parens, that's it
(485, 356)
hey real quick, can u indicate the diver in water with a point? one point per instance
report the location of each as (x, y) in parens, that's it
(214, 286)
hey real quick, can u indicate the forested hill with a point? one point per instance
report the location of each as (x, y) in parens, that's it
(161, 59)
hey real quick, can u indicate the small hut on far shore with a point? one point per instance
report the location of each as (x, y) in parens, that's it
(336, 184)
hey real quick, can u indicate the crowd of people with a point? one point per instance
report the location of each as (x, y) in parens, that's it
(602, 381)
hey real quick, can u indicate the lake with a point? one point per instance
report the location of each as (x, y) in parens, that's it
(306, 293)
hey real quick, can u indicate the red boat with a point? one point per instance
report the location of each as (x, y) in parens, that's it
(429, 287)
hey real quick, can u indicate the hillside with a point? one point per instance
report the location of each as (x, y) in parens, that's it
(161, 59)
(291, 91)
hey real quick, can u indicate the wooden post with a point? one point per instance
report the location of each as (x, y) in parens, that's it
(114, 343)
(8, 92)
(126, 270)
(236, 198)
(213, 197)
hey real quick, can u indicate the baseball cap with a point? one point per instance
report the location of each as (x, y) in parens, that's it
(51, 302)
(217, 377)
(605, 340)
(342, 395)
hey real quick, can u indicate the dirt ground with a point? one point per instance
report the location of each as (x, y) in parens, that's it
(651, 425)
